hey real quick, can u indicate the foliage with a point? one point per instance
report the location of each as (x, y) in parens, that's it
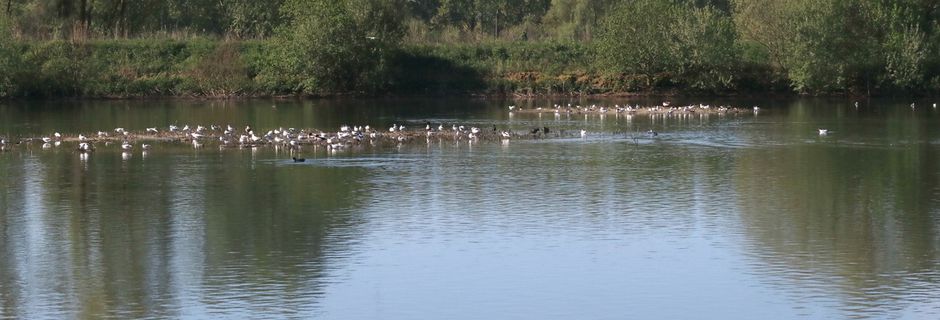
(334, 46)
(575, 19)
(209, 47)
(837, 45)
(6, 58)
(660, 39)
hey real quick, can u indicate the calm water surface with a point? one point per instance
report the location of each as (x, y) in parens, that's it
(725, 217)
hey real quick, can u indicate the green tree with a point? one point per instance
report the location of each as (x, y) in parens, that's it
(903, 43)
(637, 38)
(835, 45)
(576, 19)
(707, 51)
(330, 46)
(458, 13)
(252, 18)
(905, 56)
(6, 57)
(658, 39)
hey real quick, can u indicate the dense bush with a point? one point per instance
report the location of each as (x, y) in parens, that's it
(669, 42)
(825, 46)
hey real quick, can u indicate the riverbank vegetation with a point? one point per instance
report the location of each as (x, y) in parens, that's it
(119, 48)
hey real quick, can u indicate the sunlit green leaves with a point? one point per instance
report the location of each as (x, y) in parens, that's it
(661, 39)
(333, 46)
(838, 45)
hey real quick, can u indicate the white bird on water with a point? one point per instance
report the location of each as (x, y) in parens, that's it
(823, 132)
(126, 146)
(583, 133)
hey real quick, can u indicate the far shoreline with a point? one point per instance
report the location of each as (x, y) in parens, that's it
(472, 95)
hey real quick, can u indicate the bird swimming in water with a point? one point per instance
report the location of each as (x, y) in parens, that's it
(583, 133)
(823, 132)
(652, 133)
(296, 159)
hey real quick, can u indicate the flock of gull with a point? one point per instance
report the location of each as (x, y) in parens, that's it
(228, 136)
(346, 136)
(665, 108)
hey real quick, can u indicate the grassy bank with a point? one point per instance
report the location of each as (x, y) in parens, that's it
(134, 68)
(211, 68)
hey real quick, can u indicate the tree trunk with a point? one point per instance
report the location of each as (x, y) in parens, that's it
(120, 23)
(90, 9)
(124, 17)
(82, 7)
(9, 8)
(497, 24)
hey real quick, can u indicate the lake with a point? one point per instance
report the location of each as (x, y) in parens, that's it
(747, 216)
